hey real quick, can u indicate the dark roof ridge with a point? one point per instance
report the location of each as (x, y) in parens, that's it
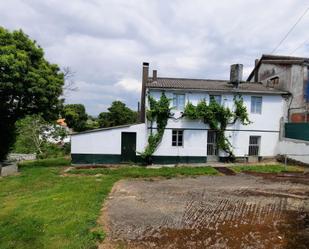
(175, 78)
(288, 57)
(227, 81)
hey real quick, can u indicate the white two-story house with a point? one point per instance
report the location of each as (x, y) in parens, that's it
(184, 140)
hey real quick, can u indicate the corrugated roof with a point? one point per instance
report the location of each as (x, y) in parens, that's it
(211, 85)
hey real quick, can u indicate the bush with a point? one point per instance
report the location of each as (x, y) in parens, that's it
(50, 150)
(50, 162)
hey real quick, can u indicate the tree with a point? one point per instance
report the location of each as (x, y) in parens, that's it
(29, 84)
(92, 123)
(69, 83)
(75, 116)
(34, 135)
(118, 114)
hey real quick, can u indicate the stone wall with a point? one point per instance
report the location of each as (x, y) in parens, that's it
(297, 150)
(21, 157)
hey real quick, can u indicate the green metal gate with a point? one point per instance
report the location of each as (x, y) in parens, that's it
(297, 131)
(128, 146)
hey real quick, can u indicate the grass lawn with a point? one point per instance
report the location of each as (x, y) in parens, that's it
(267, 168)
(42, 209)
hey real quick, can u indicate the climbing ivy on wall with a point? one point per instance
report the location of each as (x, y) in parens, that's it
(218, 117)
(214, 114)
(159, 111)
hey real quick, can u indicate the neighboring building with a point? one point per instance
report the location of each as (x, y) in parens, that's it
(59, 140)
(187, 141)
(288, 74)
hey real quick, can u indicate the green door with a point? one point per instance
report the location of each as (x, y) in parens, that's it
(128, 146)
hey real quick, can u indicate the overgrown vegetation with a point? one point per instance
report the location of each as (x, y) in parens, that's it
(75, 116)
(159, 111)
(218, 117)
(35, 135)
(117, 114)
(29, 84)
(50, 162)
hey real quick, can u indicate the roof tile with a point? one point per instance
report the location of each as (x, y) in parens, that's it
(211, 85)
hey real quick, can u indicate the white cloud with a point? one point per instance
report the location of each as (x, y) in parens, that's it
(130, 85)
(105, 42)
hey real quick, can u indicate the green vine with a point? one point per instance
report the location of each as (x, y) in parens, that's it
(214, 114)
(218, 117)
(159, 111)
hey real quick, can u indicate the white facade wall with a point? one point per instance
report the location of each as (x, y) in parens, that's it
(107, 141)
(266, 125)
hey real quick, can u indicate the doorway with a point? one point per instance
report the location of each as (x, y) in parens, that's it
(212, 147)
(128, 146)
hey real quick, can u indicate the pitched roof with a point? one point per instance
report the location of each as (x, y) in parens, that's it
(277, 59)
(210, 85)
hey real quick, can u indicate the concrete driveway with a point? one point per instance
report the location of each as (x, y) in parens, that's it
(239, 211)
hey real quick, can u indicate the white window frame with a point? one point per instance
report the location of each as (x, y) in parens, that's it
(254, 108)
(176, 104)
(177, 142)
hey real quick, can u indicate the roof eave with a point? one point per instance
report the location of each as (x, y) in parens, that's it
(218, 90)
(104, 129)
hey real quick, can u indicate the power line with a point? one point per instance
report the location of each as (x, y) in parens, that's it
(291, 29)
(298, 47)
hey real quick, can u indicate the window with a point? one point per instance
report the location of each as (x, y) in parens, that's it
(179, 101)
(177, 137)
(274, 82)
(254, 145)
(256, 104)
(216, 98)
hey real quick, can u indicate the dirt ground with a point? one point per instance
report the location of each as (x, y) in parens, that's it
(241, 211)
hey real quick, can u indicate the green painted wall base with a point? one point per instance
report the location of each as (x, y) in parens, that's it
(116, 159)
(178, 159)
(95, 158)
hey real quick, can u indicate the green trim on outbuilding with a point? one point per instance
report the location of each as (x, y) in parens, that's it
(95, 159)
(116, 159)
(178, 159)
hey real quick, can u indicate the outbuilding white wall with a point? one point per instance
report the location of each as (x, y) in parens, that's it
(107, 141)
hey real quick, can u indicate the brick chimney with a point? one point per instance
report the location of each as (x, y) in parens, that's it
(143, 94)
(154, 75)
(236, 74)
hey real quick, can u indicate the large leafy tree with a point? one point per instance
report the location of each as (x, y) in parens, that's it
(29, 84)
(118, 114)
(75, 116)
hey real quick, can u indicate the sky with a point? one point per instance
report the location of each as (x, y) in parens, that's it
(105, 42)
